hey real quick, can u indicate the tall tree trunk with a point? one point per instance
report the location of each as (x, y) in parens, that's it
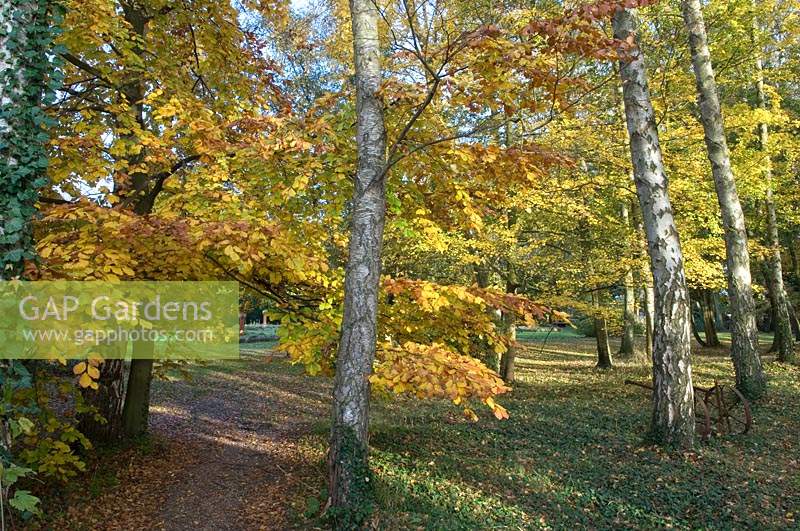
(509, 325)
(649, 315)
(136, 412)
(111, 395)
(646, 283)
(695, 332)
(603, 348)
(794, 322)
(348, 457)
(673, 396)
(783, 342)
(709, 319)
(601, 336)
(107, 401)
(508, 358)
(136, 194)
(795, 272)
(744, 335)
(628, 346)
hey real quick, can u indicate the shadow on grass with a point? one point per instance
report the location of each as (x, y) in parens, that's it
(572, 454)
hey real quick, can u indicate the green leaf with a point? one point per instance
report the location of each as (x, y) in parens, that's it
(13, 473)
(23, 501)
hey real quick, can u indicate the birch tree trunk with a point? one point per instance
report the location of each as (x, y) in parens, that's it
(649, 315)
(347, 460)
(744, 335)
(673, 396)
(648, 296)
(627, 347)
(783, 342)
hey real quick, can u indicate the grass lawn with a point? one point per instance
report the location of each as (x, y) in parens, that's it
(572, 454)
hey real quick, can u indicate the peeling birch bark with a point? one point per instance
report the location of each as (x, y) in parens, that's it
(673, 396)
(750, 378)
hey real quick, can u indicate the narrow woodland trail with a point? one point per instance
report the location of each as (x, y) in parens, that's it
(227, 453)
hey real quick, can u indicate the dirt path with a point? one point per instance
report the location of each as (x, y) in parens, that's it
(228, 452)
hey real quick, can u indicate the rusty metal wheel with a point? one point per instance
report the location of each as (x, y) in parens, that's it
(702, 419)
(740, 412)
(729, 411)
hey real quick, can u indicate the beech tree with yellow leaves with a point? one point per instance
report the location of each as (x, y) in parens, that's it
(463, 220)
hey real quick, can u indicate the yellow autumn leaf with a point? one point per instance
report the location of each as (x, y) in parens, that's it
(85, 380)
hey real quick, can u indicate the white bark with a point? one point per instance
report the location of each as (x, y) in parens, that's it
(744, 334)
(784, 340)
(349, 433)
(673, 395)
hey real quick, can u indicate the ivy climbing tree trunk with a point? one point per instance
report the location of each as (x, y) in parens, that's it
(348, 457)
(744, 335)
(26, 73)
(673, 396)
(783, 342)
(27, 77)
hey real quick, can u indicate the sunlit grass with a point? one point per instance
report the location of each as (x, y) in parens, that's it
(573, 455)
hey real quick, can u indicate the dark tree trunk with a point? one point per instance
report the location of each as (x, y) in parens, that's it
(507, 360)
(509, 325)
(649, 314)
(750, 379)
(695, 332)
(795, 262)
(673, 395)
(603, 348)
(348, 465)
(706, 300)
(135, 414)
(794, 322)
(107, 402)
(135, 194)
